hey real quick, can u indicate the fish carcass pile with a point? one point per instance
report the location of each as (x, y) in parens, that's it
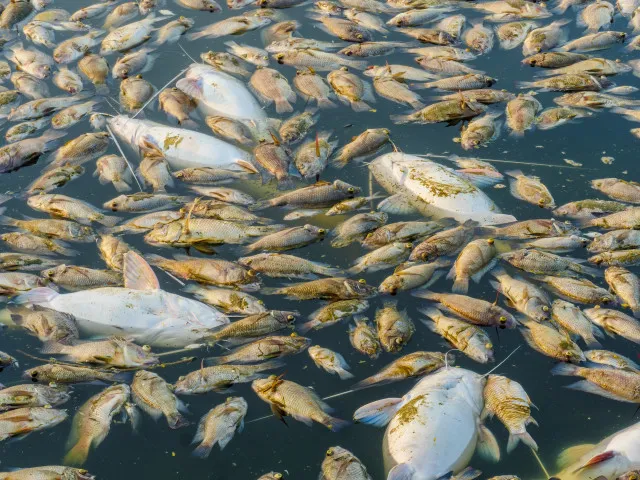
(223, 204)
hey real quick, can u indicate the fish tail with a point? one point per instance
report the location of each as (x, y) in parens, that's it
(4, 220)
(121, 186)
(592, 343)
(216, 360)
(400, 119)
(360, 106)
(460, 285)
(343, 374)
(367, 382)
(565, 369)
(283, 105)
(326, 103)
(203, 450)
(177, 421)
(52, 347)
(260, 205)
(78, 453)
(109, 220)
(515, 438)
(36, 295)
(336, 424)
(305, 327)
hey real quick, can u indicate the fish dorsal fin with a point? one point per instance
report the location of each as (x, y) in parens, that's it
(138, 275)
(572, 455)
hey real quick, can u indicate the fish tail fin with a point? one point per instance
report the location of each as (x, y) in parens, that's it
(283, 105)
(488, 447)
(109, 220)
(378, 413)
(305, 327)
(360, 106)
(343, 374)
(367, 382)
(593, 343)
(203, 450)
(325, 103)
(565, 369)
(402, 471)
(337, 424)
(515, 438)
(460, 285)
(400, 119)
(11, 222)
(78, 453)
(177, 421)
(52, 347)
(36, 295)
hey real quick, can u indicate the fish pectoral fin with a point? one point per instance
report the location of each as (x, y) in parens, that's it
(572, 455)
(601, 457)
(402, 471)
(396, 204)
(468, 473)
(102, 358)
(138, 275)
(378, 413)
(487, 446)
(279, 413)
(586, 386)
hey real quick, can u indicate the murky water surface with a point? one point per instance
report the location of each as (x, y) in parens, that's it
(565, 417)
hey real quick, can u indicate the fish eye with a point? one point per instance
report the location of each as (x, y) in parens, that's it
(545, 308)
(251, 273)
(398, 341)
(424, 256)
(605, 299)
(408, 245)
(322, 231)
(181, 378)
(330, 452)
(290, 317)
(488, 345)
(146, 348)
(503, 319)
(348, 53)
(34, 374)
(362, 281)
(393, 291)
(359, 36)
(490, 241)
(351, 189)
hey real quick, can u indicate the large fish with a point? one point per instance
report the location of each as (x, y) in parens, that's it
(219, 93)
(609, 459)
(180, 147)
(140, 310)
(432, 189)
(435, 428)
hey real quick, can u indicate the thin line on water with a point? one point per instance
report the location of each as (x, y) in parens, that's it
(159, 92)
(544, 470)
(115, 140)
(491, 160)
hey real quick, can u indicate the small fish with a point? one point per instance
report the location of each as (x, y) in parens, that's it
(253, 326)
(548, 341)
(55, 178)
(530, 189)
(229, 301)
(53, 228)
(10, 261)
(573, 320)
(74, 278)
(115, 352)
(395, 328)
(221, 377)
(154, 395)
(330, 361)
(280, 265)
(141, 202)
(22, 421)
(604, 357)
(33, 395)
(335, 288)
(275, 160)
(626, 285)
(357, 227)
(545, 263)
(387, 256)
(621, 258)
(364, 338)
(70, 208)
(351, 90)
(340, 464)
(287, 239)
(554, 59)
(114, 169)
(112, 250)
(312, 85)
(618, 189)
(333, 313)
(302, 403)
(588, 209)
(610, 383)
(545, 38)
(68, 374)
(219, 425)
(467, 338)
(361, 146)
(444, 243)
(264, 349)
(294, 129)
(449, 111)
(629, 218)
(507, 400)
(414, 364)
(92, 422)
(155, 171)
(409, 276)
(479, 38)
(522, 295)
(594, 41)
(614, 322)
(521, 113)
(312, 157)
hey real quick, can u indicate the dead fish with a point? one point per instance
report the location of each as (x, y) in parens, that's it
(330, 361)
(364, 338)
(363, 145)
(351, 90)
(626, 286)
(530, 189)
(219, 425)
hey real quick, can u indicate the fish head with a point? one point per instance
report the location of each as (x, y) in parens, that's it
(167, 233)
(126, 128)
(359, 288)
(139, 355)
(390, 285)
(348, 189)
(284, 317)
